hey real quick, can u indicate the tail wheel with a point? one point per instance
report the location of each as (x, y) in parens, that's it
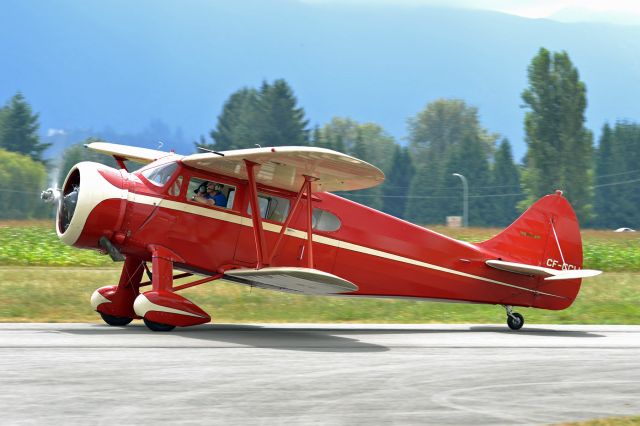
(115, 321)
(515, 321)
(156, 326)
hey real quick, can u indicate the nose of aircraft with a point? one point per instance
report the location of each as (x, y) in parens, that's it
(91, 204)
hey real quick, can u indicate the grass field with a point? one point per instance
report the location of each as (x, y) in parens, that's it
(42, 279)
(44, 294)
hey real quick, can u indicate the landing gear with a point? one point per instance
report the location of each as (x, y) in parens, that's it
(515, 321)
(156, 326)
(115, 321)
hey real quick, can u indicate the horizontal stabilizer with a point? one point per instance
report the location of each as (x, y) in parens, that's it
(289, 279)
(548, 273)
(573, 274)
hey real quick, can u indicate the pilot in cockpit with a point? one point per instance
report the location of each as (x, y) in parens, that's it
(211, 194)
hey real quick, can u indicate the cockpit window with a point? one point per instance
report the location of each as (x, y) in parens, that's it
(211, 193)
(272, 207)
(325, 221)
(160, 175)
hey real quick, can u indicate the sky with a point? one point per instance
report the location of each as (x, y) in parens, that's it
(624, 12)
(154, 70)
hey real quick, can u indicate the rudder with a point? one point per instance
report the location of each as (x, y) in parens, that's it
(547, 235)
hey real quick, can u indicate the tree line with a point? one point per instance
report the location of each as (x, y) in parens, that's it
(444, 138)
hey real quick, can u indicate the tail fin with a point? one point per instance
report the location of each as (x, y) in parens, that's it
(546, 235)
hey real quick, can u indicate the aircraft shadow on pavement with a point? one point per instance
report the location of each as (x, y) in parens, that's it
(531, 331)
(329, 339)
(308, 340)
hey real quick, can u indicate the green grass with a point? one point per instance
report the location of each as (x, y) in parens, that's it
(62, 294)
(36, 244)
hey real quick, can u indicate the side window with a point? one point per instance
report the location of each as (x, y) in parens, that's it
(211, 193)
(161, 174)
(323, 220)
(175, 188)
(272, 207)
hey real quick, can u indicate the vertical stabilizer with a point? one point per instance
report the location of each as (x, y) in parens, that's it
(546, 235)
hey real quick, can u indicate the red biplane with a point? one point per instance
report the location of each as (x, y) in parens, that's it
(195, 215)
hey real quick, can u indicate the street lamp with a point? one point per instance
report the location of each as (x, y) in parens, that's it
(465, 200)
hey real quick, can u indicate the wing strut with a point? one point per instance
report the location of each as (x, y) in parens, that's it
(306, 187)
(307, 182)
(258, 231)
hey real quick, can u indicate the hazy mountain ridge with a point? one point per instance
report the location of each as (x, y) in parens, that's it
(121, 64)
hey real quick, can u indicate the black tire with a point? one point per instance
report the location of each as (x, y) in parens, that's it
(516, 321)
(115, 321)
(156, 326)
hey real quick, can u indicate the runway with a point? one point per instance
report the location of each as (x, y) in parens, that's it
(317, 374)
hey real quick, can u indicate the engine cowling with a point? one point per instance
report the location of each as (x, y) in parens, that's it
(91, 205)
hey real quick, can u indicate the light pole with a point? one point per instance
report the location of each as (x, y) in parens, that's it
(465, 200)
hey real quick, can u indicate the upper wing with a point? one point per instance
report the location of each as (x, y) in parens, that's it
(291, 279)
(548, 273)
(285, 167)
(126, 152)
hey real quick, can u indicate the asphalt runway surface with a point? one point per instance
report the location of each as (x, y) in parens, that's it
(304, 374)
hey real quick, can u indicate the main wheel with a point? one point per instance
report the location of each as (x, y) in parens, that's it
(115, 321)
(515, 321)
(156, 326)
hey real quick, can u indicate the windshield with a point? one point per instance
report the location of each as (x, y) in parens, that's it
(160, 175)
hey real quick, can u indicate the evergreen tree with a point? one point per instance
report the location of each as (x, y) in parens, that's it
(396, 186)
(469, 159)
(265, 117)
(559, 146)
(617, 175)
(505, 180)
(19, 129)
(606, 165)
(282, 122)
(427, 193)
(317, 139)
(237, 124)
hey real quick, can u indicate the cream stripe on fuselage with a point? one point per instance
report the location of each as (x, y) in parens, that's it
(235, 218)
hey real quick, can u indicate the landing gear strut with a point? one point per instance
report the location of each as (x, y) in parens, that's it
(515, 321)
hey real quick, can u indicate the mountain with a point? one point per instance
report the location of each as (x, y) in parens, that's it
(122, 65)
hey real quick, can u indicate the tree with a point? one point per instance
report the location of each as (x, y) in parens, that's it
(282, 122)
(236, 126)
(617, 194)
(469, 159)
(505, 181)
(77, 153)
(366, 141)
(395, 189)
(19, 129)
(21, 180)
(266, 117)
(442, 124)
(605, 165)
(559, 146)
(438, 137)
